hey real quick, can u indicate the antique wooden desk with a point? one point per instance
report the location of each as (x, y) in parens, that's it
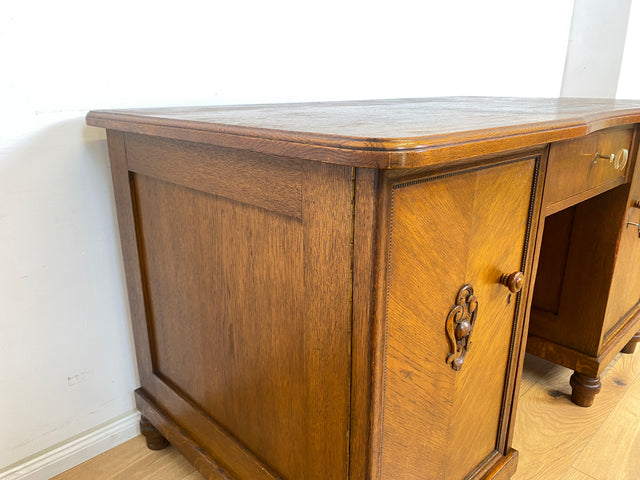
(343, 290)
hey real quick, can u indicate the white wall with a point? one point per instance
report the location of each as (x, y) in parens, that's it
(629, 81)
(596, 45)
(65, 343)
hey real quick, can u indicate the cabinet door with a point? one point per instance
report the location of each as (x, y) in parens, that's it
(624, 294)
(448, 232)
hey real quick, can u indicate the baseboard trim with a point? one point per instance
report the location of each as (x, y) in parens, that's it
(68, 454)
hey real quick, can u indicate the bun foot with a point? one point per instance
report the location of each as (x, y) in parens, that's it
(155, 440)
(630, 347)
(584, 389)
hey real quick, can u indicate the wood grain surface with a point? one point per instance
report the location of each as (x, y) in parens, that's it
(445, 234)
(618, 440)
(551, 432)
(625, 285)
(380, 133)
(133, 460)
(584, 285)
(573, 170)
(267, 181)
(293, 271)
(365, 198)
(573, 474)
(244, 324)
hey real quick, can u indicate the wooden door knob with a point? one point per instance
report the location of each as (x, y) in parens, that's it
(514, 281)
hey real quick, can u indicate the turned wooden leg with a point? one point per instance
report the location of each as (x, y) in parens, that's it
(630, 347)
(155, 440)
(584, 389)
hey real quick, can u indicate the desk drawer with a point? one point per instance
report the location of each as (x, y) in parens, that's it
(578, 166)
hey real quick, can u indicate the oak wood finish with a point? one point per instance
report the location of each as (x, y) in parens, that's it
(594, 229)
(428, 262)
(291, 270)
(584, 389)
(514, 281)
(625, 285)
(574, 173)
(585, 312)
(154, 439)
(630, 347)
(424, 132)
(274, 330)
(366, 183)
(270, 182)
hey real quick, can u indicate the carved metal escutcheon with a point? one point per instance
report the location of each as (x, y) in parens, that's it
(459, 326)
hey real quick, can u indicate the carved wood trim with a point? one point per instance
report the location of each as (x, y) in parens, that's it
(459, 326)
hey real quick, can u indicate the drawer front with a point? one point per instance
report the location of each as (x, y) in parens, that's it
(449, 232)
(575, 169)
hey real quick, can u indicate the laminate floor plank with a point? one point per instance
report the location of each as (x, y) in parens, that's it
(535, 369)
(551, 431)
(132, 460)
(617, 442)
(573, 474)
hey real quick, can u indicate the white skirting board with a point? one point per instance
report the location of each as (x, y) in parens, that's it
(67, 455)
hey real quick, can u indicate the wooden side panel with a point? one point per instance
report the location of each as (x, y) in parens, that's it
(365, 198)
(328, 235)
(235, 462)
(201, 304)
(553, 261)
(624, 294)
(466, 228)
(127, 227)
(586, 274)
(267, 181)
(248, 313)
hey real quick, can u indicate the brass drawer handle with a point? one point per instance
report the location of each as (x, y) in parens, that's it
(514, 282)
(618, 159)
(599, 155)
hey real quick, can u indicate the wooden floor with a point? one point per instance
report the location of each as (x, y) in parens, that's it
(557, 440)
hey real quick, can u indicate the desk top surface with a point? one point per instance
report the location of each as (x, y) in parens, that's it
(380, 133)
